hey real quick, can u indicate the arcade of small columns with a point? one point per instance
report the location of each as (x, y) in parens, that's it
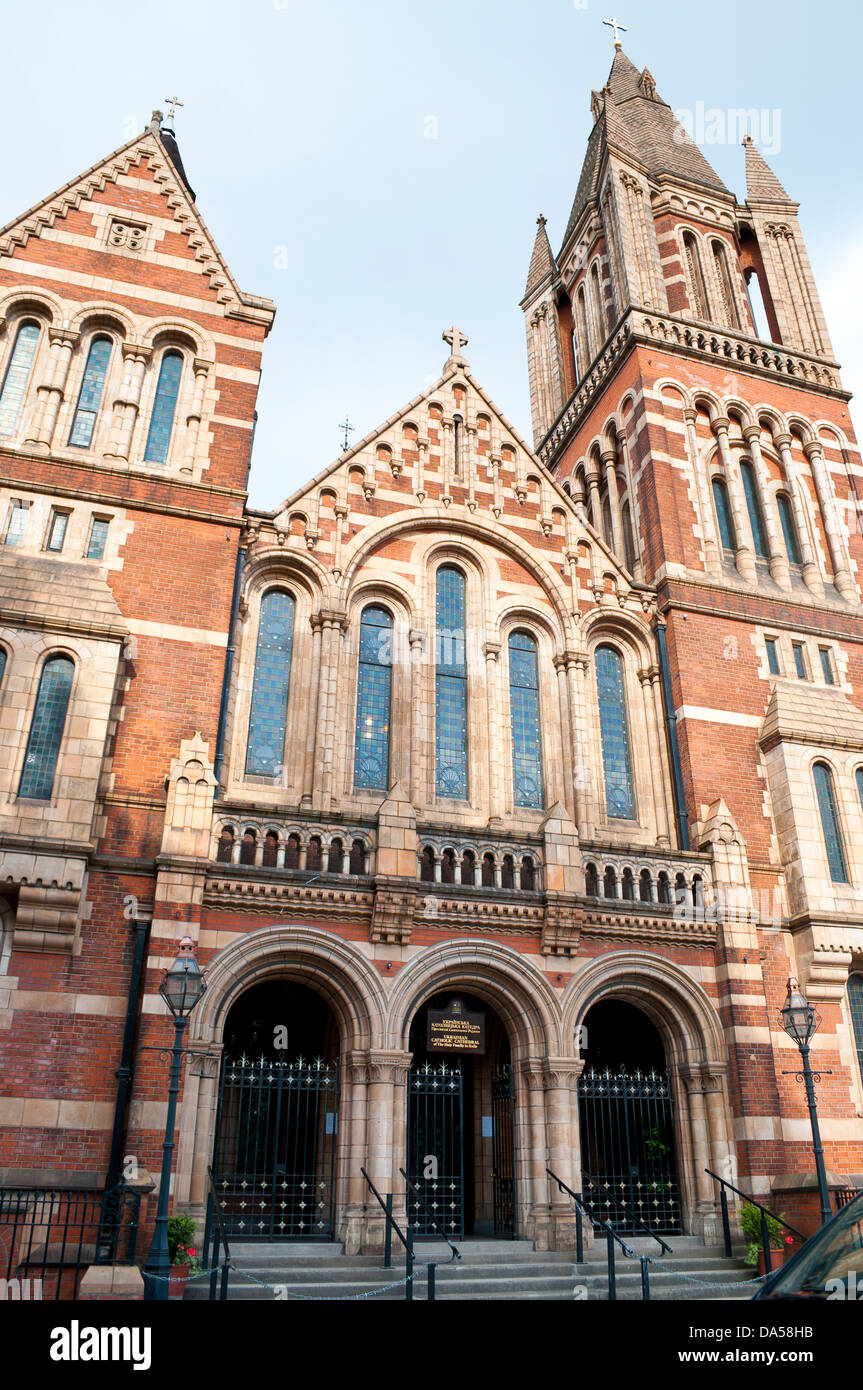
(374, 1012)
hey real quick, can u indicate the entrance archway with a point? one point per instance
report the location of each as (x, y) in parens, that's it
(627, 1121)
(460, 1126)
(277, 1124)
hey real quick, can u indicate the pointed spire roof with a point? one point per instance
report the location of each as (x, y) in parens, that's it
(762, 185)
(632, 119)
(542, 262)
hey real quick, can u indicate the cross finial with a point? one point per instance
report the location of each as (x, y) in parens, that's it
(348, 429)
(172, 102)
(541, 221)
(457, 340)
(615, 24)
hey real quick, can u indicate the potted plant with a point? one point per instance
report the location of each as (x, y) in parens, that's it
(184, 1257)
(750, 1225)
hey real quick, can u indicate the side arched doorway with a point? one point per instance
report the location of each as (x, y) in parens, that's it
(627, 1121)
(276, 1134)
(460, 1122)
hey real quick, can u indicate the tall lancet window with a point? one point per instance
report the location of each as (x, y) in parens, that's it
(46, 729)
(614, 730)
(90, 395)
(374, 689)
(450, 686)
(164, 408)
(269, 712)
(524, 716)
(753, 506)
(723, 514)
(726, 291)
(789, 530)
(694, 277)
(830, 827)
(855, 1008)
(17, 375)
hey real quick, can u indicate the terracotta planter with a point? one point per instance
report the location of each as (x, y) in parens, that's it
(777, 1258)
(177, 1285)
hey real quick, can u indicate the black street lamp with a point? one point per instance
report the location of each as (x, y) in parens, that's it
(800, 1020)
(181, 988)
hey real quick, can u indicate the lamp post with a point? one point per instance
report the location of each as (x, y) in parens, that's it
(800, 1020)
(181, 988)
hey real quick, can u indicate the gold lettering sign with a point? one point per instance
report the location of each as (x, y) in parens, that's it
(454, 1030)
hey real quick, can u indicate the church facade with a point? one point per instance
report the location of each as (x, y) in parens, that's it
(553, 746)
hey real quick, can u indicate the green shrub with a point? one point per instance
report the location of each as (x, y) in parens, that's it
(750, 1225)
(181, 1231)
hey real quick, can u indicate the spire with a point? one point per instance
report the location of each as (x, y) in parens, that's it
(165, 133)
(542, 263)
(762, 185)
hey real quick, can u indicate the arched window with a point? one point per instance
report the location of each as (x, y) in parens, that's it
(723, 514)
(357, 863)
(528, 874)
(507, 872)
(488, 871)
(855, 1008)
(271, 850)
(726, 292)
(292, 852)
(374, 687)
(582, 322)
(628, 545)
(225, 850)
(17, 376)
(753, 506)
(269, 709)
(614, 729)
(450, 686)
(628, 886)
(695, 279)
(2, 663)
(427, 865)
(789, 530)
(859, 775)
(336, 857)
(597, 304)
(524, 716)
(248, 847)
(164, 407)
(313, 855)
(644, 892)
(90, 395)
(830, 826)
(468, 868)
(46, 729)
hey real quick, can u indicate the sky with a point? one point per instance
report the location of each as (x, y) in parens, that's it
(377, 168)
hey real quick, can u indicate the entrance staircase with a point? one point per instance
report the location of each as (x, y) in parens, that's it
(488, 1270)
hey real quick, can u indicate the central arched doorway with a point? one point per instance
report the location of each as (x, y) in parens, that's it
(277, 1124)
(460, 1126)
(626, 1121)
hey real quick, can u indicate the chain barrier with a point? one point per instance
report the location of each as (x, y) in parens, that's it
(280, 1291)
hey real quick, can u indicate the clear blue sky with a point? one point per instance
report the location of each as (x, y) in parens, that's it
(303, 133)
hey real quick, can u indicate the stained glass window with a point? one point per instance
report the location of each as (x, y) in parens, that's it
(450, 686)
(789, 530)
(90, 395)
(830, 822)
(860, 785)
(723, 514)
(98, 538)
(524, 714)
(753, 506)
(269, 711)
(164, 406)
(17, 374)
(772, 656)
(855, 1007)
(2, 663)
(374, 687)
(616, 762)
(46, 729)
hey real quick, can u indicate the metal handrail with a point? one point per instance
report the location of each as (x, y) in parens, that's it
(219, 1235)
(765, 1212)
(456, 1253)
(666, 1248)
(611, 1237)
(407, 1241)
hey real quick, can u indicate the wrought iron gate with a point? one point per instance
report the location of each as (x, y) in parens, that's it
(435, 1162)
(276, 1136)
(503, 1172)
(627, 1148)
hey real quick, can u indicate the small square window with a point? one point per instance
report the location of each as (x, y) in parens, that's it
(57, 531)
(16, 523)
(98, 538)
(799, 660)
(772, 655)
(827, 665)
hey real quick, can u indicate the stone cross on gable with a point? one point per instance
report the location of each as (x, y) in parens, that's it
(457, 340)
(173, 102)
(615, 24)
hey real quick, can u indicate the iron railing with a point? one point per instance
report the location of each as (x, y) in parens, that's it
(216, 1237)
(407, 1240)
(765, 1213)
(53, 1235)
(843, 1195)
(611, 1238)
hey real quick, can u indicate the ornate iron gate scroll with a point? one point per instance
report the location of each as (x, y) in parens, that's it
(627, 1148)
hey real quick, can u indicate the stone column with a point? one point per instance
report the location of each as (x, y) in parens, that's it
(842, 578)
(700, 1140)
(196, 411)
(127, 403)
(565, 781)
(49, 393)
(418, 732)
(609, 459)
(778, 559)
(664, 804)
(712, 550)
(811, 572)
(595, 497)
(745, 555)
(495, 734)
(537, 1182)
(576, 678)
(333, 623)
(561, 1126)
(654, 793)
(353, 1121)
(387, 1071)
